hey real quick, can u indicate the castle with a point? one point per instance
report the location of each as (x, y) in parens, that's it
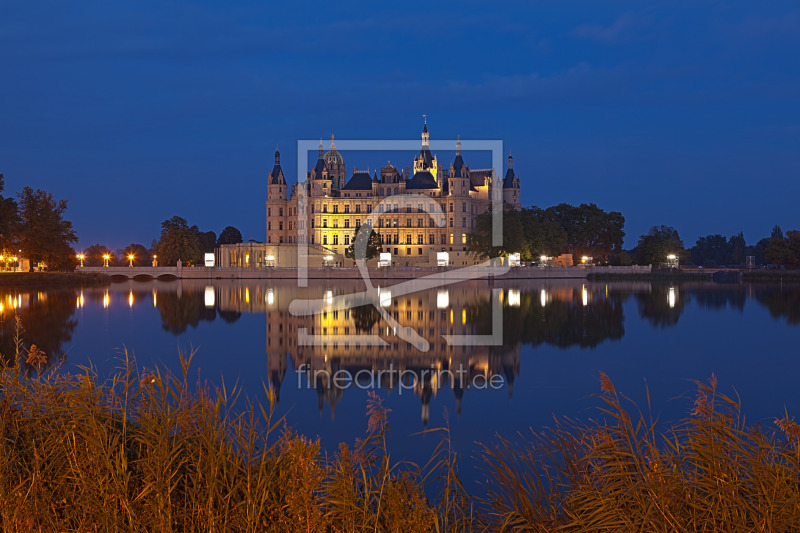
(324, 212)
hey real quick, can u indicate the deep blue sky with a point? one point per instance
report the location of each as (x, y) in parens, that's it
(678, 113)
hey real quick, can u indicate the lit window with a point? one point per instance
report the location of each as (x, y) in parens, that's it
(463, 238)
(451, 238)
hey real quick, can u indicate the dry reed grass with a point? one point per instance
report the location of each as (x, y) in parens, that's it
(147, 451)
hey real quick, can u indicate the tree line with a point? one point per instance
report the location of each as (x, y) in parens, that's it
(716, 250)
(587, 230)
(33, 226)
(177, 241)
(584, 230)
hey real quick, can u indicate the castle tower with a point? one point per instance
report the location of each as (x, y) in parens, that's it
(511, 197)
(334, 162)
(425, 162)
(277, 203)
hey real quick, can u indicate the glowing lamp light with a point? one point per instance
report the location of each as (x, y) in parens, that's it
(543, 297)
(585, 296)
(671, 298)
(130, 298)
(80, 257)
(209, 298)
(385, 298)
(442, 299)
(329, 297)
(105, 260)
(130, 259)
(514, 297)
(270, 297)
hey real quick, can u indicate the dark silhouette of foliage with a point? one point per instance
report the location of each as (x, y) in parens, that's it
(44, 235)
(657, 244)
(229, 235)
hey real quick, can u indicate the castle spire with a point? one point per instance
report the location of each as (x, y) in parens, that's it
(277, 156)
(333, 145)
(425, 135)
(320, 150)
(458, 146)
(510, 161)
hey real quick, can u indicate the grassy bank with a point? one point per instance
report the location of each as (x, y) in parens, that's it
(148, 451)
(56, 280)
(785, 276)
(655, 275)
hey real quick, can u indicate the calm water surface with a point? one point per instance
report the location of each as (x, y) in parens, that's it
(556, 338)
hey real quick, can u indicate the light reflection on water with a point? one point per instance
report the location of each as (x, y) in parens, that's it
(556, 337)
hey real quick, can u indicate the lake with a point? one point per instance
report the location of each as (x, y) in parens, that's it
(484, 359)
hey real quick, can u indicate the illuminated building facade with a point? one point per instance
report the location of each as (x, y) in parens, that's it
(333, 206)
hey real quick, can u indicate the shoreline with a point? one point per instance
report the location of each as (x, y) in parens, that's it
(54, 280)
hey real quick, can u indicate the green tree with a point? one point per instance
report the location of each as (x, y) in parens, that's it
(9, 223)
(93, 255)
(543, 234)
(479, 242)
(711, 250)
(373, 248)
(44, 235)
(657, 244)
(784, 251)
(229, 235)
(178, 242)
(141, 255)
(590, 230)
(738, 249)
(206, 240)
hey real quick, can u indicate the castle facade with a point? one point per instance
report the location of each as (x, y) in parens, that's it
(325, 210)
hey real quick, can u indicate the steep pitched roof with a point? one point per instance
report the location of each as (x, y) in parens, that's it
(508, 182)
(478, 176)
(359, 181)
(422, 180)
(458, 166)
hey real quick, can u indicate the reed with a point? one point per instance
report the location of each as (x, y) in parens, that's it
(709, 473)
(147, 450)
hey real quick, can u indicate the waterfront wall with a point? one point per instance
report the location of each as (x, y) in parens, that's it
(353, 273)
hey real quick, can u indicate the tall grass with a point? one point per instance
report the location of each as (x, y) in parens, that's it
(150, 451)
(710, 473)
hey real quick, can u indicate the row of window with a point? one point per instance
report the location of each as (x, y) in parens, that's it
(389, 223)
(396, 239)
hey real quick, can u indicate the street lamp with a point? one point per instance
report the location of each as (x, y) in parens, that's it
(105, 260)
(672, 261)
(155, 260)
(81, 257)
(130, 259)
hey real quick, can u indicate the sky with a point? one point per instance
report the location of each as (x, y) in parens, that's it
(683, 113)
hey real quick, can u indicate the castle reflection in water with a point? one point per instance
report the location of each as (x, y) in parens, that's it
(337, 342)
